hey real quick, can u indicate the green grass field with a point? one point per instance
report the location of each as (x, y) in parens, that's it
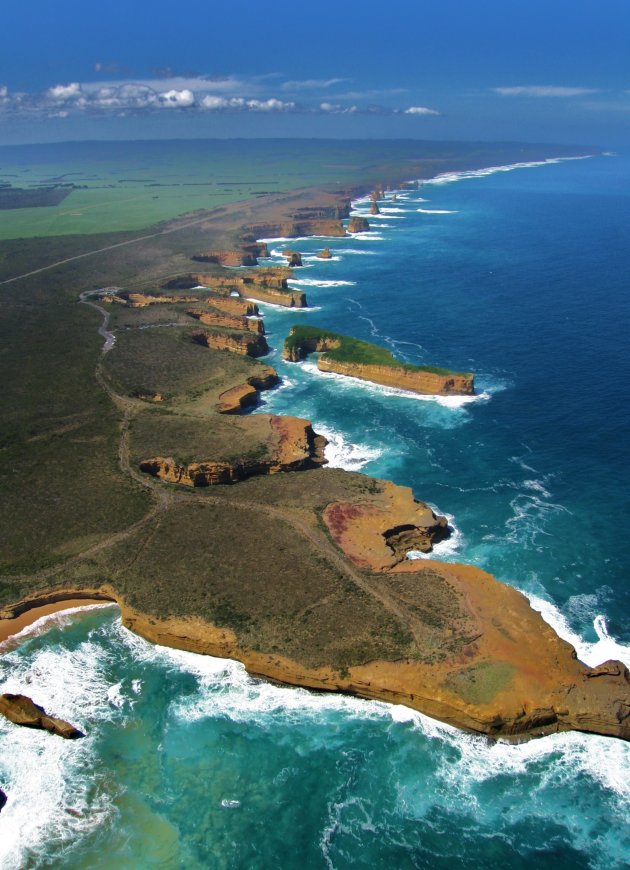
(131, 185)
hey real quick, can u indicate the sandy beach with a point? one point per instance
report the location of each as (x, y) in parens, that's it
(10, 627)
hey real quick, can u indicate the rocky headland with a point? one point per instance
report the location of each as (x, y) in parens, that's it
(348, 356)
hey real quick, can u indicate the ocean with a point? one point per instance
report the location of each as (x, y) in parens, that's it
(522, 277)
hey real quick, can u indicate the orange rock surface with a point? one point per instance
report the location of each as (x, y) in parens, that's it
(378, 533)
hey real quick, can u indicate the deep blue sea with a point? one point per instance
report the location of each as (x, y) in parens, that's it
(523, 277)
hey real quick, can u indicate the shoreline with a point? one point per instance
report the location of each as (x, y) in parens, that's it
(421, 686)
(10, 628)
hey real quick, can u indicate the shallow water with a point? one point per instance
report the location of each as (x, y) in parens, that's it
(520, 276)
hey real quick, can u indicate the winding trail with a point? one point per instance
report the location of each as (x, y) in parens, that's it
(110, 338)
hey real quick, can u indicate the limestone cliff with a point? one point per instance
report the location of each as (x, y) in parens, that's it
(227, 321)
(358, 225)
(293, 446)
(294, 258)
(503, 672)
(267, 284)
(368, 362)
(242, 396)
(293, 229)
(245, 344)
(426, 382)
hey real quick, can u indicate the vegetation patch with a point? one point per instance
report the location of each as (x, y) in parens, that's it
(303, 340)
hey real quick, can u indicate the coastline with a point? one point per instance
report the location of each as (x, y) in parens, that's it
(10, 628)
(226, 644)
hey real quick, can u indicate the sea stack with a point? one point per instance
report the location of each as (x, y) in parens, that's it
(358, 225)
(324, 255)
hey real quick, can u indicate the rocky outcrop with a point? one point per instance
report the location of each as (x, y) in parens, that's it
(293, 446)
(358, 225)
(294, 258)
(378, 533)
(244, 344)
(268, 284)
(499, 669)
(233, 305)
(296, 228)
(399, 377)
(374, 209)
(309, 344)
(409, 185)
(246, 256)
(324, 254)
(385, 369)
(376, 195)
(21, 710)
(227, 321)
(3, 799)
(242, 396)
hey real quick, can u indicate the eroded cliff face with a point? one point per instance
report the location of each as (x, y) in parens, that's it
(297, 227)
(262, 284)
(249, 344)
(227, 321)
(297, 352)
(242, 396)
(358, 225)
(428, 383)
(378, 533)
(292, 446)
(507, 675)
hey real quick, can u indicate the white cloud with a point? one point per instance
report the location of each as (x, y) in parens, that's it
(64, 92)
(193, 94)
(543, 91)
(178, 99)
(212, 102)
(336, 109)
(271, 105)
(420, 110)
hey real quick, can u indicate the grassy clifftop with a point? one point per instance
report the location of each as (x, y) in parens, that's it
(303, 340)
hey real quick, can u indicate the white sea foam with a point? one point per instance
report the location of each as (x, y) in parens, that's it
(346, 251)
(368, 236)
(446, 549)
(391, 210)
(435, 211)
(449, 177)
(341, 453)
(591, 653)
(59, 619)
(51, 782)
(377, 389)
(316, 282)
(284, 308)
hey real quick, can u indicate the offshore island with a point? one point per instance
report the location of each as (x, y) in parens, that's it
(134, 476)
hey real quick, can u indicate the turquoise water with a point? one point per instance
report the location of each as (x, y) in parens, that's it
(520, 276)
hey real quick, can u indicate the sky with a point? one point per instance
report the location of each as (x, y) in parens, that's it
(554, 71)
